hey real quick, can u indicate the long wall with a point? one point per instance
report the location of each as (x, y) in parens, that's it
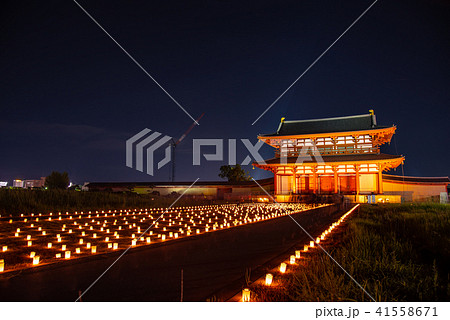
(414, 191)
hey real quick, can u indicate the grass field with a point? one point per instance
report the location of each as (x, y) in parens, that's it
(396, 252)
(14, 202)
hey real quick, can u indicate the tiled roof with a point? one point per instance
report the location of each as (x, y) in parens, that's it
(335, 158)
(328, 125)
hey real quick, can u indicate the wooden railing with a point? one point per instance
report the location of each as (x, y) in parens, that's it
(295, 152)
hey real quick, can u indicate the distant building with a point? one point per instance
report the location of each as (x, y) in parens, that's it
(34, 183)
(18, 183)
(3, 184)
(28, 184)
(341, 156)
(221, 190)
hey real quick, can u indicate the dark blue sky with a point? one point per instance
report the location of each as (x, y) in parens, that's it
(70, 97)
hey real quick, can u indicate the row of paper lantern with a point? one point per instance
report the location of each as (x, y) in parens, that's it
(246, 292)
(231, 211)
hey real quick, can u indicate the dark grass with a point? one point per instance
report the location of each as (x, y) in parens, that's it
(396, 252)
(14, 202)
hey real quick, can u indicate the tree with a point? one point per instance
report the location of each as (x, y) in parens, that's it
(234, 174)
(57, 180)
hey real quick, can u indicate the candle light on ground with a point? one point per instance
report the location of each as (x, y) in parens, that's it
(58, 255)
(30, 243)
(305, 248)
(4, 248)
(2, 265)
(246, 295)
(35, 260)
(116, 246)
(292, 259)
(297, 254)
(283, 267)
(49, 245)
(94, 249)
(32, 254)
(311, 244)
(67, 255)
(269, 278)
(78, 250)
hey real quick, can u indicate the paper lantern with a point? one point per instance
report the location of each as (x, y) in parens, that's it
(35, 260)
(148, 240)
(59, 240)
(317, 240)
(311, 244)
(2, 265)
(16, 234)
(94, 249)
(58, 255)
(32, 254)
(269, 278)
(283, 267)
(49, 245)
(28, 237)
(107, 239)
(116, 246)
(305, 248)
(78, 250)
(88, 245)
(246, 295)
(94, 235)
(110, 245)
(4, 248)
(30, 243)
(67, 255)
(43, 233)
(297, 254)
(63, 247)
(133, 242)
(292, 259)
(163, 237)
(81, 241)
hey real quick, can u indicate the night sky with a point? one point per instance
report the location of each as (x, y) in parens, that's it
(70, 97)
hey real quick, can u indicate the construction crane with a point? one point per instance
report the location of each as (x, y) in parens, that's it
(175, 143)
